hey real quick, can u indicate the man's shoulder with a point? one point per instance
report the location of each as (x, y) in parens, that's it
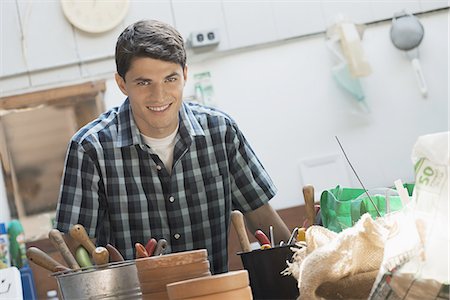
(104, 126)
(203, 113)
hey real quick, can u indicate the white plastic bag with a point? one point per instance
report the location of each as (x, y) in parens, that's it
(416, 255)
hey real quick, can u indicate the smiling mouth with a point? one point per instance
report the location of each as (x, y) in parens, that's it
(158, 108)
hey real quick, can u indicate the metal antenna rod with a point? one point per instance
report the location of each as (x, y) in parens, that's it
(353, 169)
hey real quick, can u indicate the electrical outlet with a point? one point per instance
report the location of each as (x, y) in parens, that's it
(204, 38)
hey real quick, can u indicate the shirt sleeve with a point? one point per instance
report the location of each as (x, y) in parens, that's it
(79, 198)
(251, 185)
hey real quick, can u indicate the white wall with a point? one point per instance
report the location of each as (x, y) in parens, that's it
(290, 109)
(4, 208)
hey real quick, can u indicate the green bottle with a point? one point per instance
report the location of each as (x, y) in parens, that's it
(17, 248)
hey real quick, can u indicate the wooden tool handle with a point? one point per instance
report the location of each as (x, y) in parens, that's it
(140, 251)
(100, 255)
(160, 247)
(58, 242)
(114, 254)
(42, 259)
(237, 218)
(308, 194)
(78, 233)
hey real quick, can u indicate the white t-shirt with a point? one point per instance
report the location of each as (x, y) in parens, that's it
(163, 148)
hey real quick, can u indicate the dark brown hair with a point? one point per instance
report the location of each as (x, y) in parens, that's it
(149, 38)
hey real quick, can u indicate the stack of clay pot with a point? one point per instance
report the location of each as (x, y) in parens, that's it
(155, 272)
(228, 286)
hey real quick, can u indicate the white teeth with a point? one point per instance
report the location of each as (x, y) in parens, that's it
(158, 108)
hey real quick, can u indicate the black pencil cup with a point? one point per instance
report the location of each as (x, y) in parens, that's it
(264, 268)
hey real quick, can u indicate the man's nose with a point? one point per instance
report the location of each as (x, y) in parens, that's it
(157, 92)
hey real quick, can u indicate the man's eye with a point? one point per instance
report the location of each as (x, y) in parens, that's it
(144, 83)
(171, 79)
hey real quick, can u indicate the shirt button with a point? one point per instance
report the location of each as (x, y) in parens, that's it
(158, 167)
(176, 236)
(171, 199)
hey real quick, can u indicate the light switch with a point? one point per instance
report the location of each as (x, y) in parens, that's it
(204, 38)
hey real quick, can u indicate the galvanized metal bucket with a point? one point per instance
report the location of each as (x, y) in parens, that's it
(117, 280)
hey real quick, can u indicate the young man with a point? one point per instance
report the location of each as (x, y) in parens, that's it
(157, 167)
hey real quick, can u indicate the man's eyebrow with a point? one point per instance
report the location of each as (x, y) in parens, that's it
(141, 79)
(173, 74)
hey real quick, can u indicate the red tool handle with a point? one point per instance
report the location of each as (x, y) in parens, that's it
(150, 246)
(261, 237)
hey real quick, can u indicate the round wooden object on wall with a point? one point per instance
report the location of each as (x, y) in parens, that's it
(95, 16)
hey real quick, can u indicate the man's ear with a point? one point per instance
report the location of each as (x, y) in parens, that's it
(185, 71)
(121, 83)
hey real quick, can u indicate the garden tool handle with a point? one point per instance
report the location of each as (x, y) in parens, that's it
(56, 238)
(308, 194)
(42, 259)
(237, 218)
(100, 255)
(78, 233)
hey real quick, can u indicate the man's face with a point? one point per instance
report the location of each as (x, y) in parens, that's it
(155, 90)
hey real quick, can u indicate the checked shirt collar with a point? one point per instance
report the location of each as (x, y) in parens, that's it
(128, 132)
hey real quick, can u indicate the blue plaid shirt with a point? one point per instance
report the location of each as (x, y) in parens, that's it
(118, 188)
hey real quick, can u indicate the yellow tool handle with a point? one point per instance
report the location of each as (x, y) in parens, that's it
(301, 235)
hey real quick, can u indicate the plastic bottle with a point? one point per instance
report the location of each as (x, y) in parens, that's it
(52, 295)
(17, 246)
(353, 50)
(5, 260)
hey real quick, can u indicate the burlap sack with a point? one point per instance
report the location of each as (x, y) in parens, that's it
(356, 286)
(340, 266)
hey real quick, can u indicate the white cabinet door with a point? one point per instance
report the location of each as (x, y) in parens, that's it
(12, 57)
(47, 38)
(49, 45)
(249, 22)
(192, 16)
(93, 49)
(426, 5)
(297, 18)
(149, 10)
(356, 11)
(386, 10)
